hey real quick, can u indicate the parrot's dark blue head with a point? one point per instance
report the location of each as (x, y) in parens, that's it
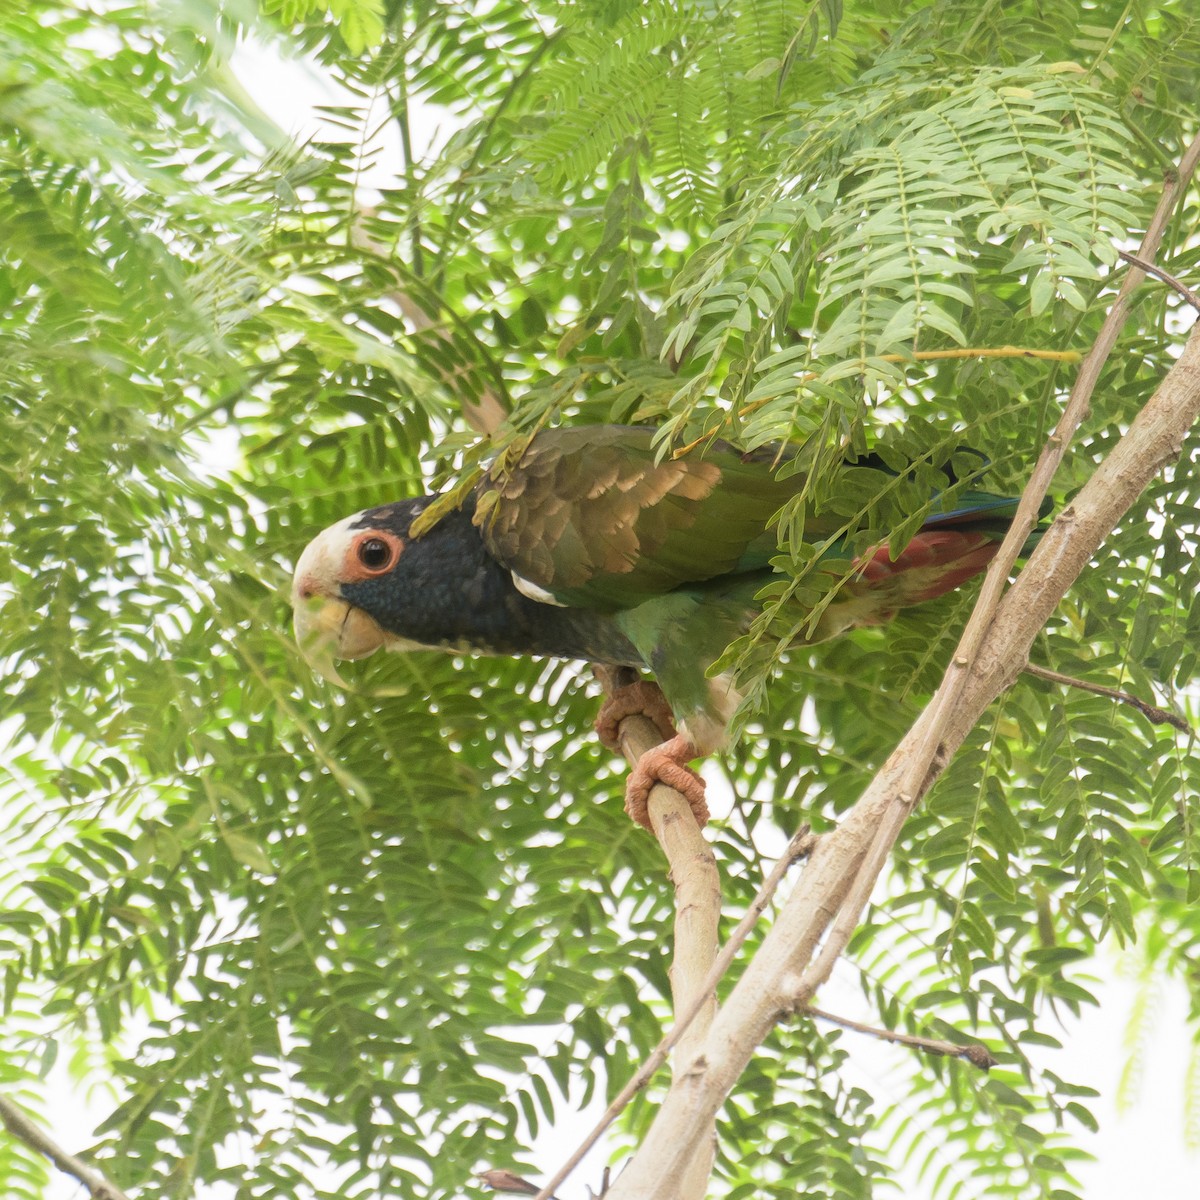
(348, 582)
(365, 584)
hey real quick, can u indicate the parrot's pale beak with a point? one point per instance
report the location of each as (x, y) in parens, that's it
(330, 629)
(334, 629)
(327, 627)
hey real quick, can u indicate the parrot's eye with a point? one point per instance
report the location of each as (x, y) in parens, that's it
(375, 554)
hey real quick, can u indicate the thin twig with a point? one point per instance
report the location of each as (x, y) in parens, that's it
(1166, 276)
(21, 1126)
(976, 1054)
(1159, 716)
(799, 847)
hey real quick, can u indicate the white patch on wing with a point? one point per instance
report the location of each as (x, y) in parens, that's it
(701, 729)
(530, 589)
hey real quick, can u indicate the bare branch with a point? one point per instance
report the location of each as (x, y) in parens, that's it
(1167, 278)
(1158, 716)
(21, 1126)
(977, 1055)
(801, 846)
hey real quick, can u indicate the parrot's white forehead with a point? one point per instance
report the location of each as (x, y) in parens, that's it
(319, 567)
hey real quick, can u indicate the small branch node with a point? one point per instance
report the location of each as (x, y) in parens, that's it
(803, 845)
(605, 1180)
(979, 1056)
(501, 1180)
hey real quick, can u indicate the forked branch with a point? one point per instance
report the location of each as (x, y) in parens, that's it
(801, 846)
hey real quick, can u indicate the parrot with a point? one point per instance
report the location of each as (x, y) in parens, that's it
(589, 545)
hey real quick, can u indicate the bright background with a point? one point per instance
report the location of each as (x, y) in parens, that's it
(1135, 1048)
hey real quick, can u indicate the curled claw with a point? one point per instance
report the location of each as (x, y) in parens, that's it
(666, 764)
(641, 699)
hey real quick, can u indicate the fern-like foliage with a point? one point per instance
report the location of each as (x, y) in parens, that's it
(1002, 181)
(361, 944)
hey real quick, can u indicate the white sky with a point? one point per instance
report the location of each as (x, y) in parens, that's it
(1139, 1150)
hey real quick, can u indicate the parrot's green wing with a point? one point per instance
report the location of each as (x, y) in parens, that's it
(590, 517)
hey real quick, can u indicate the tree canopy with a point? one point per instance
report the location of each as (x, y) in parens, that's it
(367, 942)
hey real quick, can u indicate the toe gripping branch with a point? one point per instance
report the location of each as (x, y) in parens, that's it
(639, 699)
(665, 763)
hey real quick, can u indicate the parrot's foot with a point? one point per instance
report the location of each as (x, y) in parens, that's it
(641, 699)
(666, 764)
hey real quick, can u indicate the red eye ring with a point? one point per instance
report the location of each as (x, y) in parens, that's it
(377, 553)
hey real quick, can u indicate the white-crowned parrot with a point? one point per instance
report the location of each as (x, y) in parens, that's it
(589, 548)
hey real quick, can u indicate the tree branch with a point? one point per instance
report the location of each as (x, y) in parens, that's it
(1167, 278)
(801, 846)
(832, 892)
(21, 1126)
(693, 871)
(977, 1055)
(1152, 713)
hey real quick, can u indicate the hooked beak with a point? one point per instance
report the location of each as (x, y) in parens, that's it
(328, 629)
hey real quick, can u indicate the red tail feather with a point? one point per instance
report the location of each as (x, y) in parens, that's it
(934, 562)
